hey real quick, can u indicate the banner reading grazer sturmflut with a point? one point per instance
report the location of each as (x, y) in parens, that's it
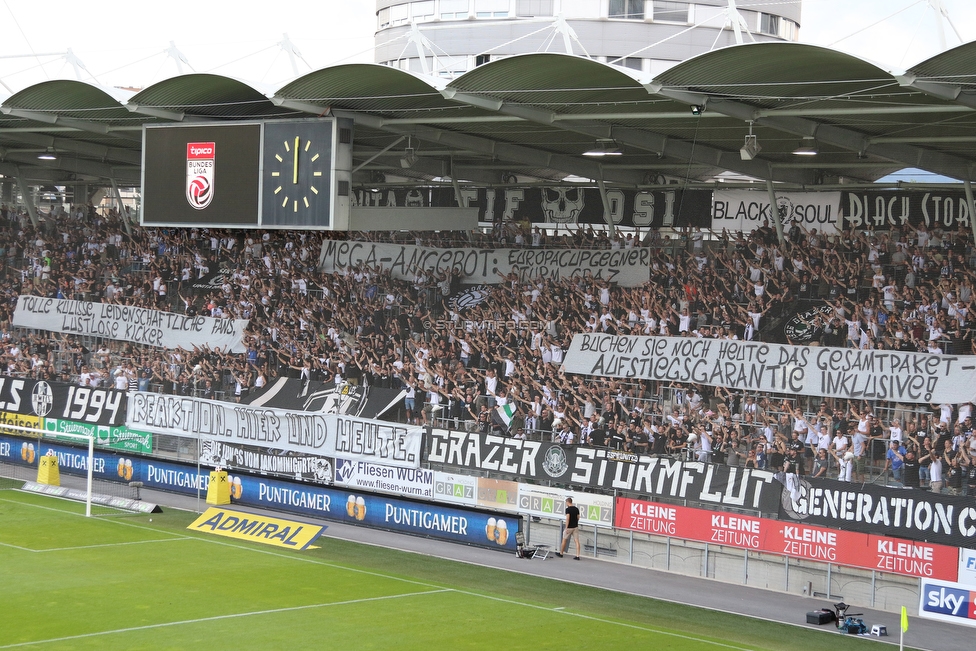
(276, 429)
(599, 468)
(779, 368)
(626, 267)
(126, 323)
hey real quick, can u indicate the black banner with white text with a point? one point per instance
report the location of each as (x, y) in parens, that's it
(44, 399)
(661, 477)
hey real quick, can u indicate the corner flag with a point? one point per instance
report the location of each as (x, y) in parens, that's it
(904, 619)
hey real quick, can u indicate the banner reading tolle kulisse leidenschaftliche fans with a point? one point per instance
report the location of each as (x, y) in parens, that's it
(779, 368)
(126, 323)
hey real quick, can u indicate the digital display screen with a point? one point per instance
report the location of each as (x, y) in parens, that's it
(206, 175)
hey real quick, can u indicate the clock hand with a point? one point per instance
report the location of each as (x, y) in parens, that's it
(294, 179)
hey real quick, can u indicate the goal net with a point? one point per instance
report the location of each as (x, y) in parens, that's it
(37, 442)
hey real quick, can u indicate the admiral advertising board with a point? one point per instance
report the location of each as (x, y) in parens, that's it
(598, 468)
(41, 399)
(851, 549)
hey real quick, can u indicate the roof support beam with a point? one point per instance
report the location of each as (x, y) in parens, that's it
(82, 147)
(28, 201)
(639, 139)
(153, 112)
(842, 137)
(53, 118)
(524, 156)
(947, 92)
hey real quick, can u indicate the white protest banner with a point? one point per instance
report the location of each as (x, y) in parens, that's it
(626, 267)
(362, 475)
(746, 210)
(779, 368)
(126, 323)
(547, 502)
(276, 429)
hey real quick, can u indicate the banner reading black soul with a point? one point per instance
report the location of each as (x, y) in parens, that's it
(59, 400)
(559, 204)
(265, 461)
(913, 514)
(533, 461)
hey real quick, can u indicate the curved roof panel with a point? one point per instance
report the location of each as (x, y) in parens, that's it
(76, 99)
(767, 73)
(952, 66)
(208, 95)
(539, 113)
(368, 87)
(562, 82)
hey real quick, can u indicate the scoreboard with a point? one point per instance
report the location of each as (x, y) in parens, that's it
(257, 174)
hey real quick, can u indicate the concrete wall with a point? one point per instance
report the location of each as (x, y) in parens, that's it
(731, 565)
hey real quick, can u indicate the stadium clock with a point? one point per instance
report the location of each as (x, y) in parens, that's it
(297, 173)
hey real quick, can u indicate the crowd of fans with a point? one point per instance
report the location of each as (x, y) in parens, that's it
(907, 289)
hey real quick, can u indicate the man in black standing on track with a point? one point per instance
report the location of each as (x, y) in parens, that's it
(572, 529)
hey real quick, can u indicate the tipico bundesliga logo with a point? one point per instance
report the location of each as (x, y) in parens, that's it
(200, 158)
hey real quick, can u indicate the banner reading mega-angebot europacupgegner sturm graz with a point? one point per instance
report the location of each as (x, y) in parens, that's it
(300, 432)
(779, 368)
(626, 267)
(138, 325)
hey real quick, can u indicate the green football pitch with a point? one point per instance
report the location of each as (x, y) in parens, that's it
(120, 582)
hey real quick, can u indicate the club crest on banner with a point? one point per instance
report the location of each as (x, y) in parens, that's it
(200, 158)
(470, 297)
(42, 398)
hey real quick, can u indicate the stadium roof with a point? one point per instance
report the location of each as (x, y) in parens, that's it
(532, 117)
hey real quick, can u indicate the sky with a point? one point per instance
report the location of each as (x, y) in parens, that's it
(123, 43)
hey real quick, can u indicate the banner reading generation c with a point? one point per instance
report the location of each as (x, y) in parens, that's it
(778, 368)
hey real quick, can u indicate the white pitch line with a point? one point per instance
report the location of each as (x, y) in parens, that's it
(118, 544)
(215, 618)
(561, 611)
(305, 559)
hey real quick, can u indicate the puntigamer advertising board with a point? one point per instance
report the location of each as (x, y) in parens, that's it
(482, 527)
